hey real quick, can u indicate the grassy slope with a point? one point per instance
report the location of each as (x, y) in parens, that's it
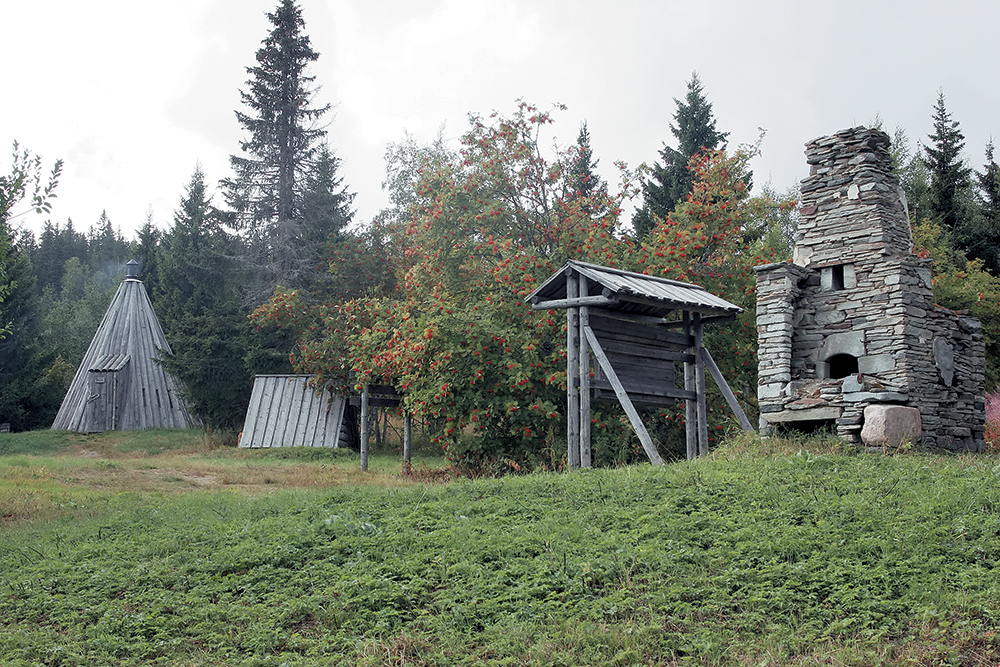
(748, 558)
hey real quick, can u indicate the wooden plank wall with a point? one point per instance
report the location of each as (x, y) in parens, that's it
(285, 411)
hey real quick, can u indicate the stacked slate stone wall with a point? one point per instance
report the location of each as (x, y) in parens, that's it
(852, 322)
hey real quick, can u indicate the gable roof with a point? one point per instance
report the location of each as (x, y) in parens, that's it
(127, 344)
(629, 292)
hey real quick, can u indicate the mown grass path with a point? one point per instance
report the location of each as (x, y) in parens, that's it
(747, 558)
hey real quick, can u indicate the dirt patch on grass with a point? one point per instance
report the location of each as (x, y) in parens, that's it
(180, 474)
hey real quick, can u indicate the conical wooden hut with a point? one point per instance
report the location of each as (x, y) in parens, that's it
(120, 386)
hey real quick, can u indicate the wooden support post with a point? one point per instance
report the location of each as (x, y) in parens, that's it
(365, 428)
(584, 360)
(720, 380)
(572, 376)
(699, 380)
(690, 406)
(626, 402)
(407, 443)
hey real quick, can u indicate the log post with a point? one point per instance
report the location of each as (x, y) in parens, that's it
(572, 375)
(584, 361)
(365, 428)
(699, 380)
(407, 443)
(690, 406)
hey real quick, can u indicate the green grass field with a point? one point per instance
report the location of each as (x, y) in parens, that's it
(153, 549)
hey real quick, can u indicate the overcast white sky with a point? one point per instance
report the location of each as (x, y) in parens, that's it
(133, 94)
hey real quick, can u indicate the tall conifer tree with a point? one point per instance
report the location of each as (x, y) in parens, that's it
(671, 181)
(272, 199)
(197, 301)
(986, 228)
(988, 185)
(950, 178)
(583, 182)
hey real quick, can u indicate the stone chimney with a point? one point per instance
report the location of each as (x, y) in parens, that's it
(851, 323)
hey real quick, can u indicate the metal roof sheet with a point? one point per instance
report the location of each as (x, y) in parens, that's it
(636, 292)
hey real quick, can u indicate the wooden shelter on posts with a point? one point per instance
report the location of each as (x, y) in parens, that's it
(638, 329)
(120, 384)
(290, 411)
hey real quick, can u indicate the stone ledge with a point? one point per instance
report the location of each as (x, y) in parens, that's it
(811, 414)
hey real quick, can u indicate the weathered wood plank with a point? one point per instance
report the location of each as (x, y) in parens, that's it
(560, 304)
(407, 441)
(730, 397)
(605, 395)
(616, 347)
(626, 403)
(648, 389)
(631, 369)
(609, 328)
(365, 429)
(714, 319)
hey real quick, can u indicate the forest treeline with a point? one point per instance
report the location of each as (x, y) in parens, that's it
(268, 272)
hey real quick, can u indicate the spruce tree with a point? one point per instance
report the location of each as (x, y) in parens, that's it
(950, 178)
(284, 148)
(670, 182)
(326, 204)
(198, 303)
(987, 216)
(988, 186)
(145, 250)
(583, 182)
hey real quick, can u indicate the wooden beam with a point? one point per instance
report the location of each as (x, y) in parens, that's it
(714, 319)
(720, 380)
(643, 350)
(561, 304)
(607, 395)
(633, 416)
(407, 443)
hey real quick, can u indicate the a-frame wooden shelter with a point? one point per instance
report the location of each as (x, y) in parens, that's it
(289, 411)
(638, 328)
(120, 386)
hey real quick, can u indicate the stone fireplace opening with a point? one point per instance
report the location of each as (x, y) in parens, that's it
(808, 427)
(840, 366)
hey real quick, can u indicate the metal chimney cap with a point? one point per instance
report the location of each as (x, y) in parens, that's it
(132, 269)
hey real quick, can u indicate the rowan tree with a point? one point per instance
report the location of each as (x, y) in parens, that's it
(714, 239)
(456, 336)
